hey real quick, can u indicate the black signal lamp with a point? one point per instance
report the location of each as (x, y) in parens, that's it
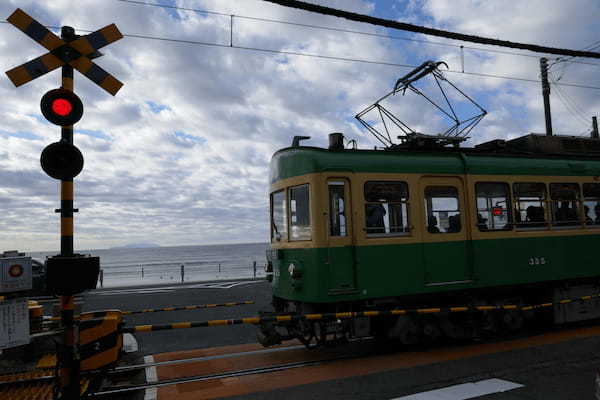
(62, 160)
(61, 107)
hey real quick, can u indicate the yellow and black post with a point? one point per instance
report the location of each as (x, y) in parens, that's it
(67, 273)
(69, 354)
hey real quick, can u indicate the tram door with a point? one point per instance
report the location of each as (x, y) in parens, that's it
(341, 259)
(445, 233)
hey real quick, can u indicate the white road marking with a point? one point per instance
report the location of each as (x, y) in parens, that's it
(130, 344)
(464, 391)
(151, 377)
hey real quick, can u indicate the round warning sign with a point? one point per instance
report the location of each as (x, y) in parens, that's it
(15, 270)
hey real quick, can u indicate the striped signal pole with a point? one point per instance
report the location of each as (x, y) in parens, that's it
(69, 374)
(67, 273)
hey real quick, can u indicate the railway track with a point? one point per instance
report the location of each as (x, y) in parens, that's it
(273, 360)
(198, 378)
(124, 389)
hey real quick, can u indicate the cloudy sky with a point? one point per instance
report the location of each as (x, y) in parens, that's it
(180, 156)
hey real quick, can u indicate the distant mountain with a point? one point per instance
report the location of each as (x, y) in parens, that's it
(136, 246)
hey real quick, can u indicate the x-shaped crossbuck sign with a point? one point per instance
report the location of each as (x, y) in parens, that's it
(75, 53)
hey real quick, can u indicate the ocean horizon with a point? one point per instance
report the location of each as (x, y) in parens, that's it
(125, 266)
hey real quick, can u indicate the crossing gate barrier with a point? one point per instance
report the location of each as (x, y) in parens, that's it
(100, 339)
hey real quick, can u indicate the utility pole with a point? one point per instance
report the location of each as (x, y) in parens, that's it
(546, 94)
(595, 128)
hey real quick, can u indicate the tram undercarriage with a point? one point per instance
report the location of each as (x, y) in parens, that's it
(390, 320)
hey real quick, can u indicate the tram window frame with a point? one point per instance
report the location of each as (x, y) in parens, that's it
(521, 197)
(591, 194)
(563, 218)
(395, 208)
(299, 231)
(338, 220)
(443, 220)
(279, 231)
(493, 210)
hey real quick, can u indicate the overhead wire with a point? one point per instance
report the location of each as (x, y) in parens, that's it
(320, 56)
(286, 52)
(566, 62)
(328, 28)
(384, 63)
(571, 106)
(319, 9)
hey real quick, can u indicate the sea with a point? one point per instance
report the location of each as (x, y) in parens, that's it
(164, 265)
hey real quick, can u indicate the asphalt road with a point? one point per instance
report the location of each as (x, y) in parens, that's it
(184, 295)
(559, 371)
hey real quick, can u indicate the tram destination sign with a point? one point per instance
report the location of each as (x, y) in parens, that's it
(77, 53)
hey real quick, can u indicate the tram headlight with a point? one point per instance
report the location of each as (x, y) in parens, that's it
(269, 271)
(269, 267)
(294, 271)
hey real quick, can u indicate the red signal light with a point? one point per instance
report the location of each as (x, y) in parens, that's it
(62, 107)
(15, 271)
(497, 211)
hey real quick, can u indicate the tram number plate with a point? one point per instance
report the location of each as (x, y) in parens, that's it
(537, 261)
(14, 323)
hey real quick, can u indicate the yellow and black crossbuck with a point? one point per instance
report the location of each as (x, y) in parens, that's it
(75, 53)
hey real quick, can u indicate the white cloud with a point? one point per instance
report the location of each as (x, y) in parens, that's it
(180, 155)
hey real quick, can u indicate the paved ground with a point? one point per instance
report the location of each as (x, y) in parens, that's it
(183, 295)
(559, 371)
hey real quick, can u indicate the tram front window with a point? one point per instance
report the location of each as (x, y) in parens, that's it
(300, 213)
(442, 209)
(278, 216)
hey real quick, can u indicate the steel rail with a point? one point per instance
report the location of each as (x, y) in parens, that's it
(220, 375)
(127, 368)
(135, 367)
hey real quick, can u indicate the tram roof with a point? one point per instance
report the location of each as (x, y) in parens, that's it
(301, 160)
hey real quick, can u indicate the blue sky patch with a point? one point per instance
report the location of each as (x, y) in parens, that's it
(173, 13)
(92, 133)
(39, 117)
(21, 135)
(156, 108)
(185, 139)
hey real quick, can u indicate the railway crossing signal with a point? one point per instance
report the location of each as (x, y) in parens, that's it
(67, 273)
(74, 53)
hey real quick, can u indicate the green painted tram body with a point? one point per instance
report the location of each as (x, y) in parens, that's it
(404, 267)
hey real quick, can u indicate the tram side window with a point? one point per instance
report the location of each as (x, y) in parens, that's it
(442, 209)
(299, 213)
(278, 216)
(493, 206)
(591, 204)
(565, 204)
(337, 208)
(530, 200)
(386, 208)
